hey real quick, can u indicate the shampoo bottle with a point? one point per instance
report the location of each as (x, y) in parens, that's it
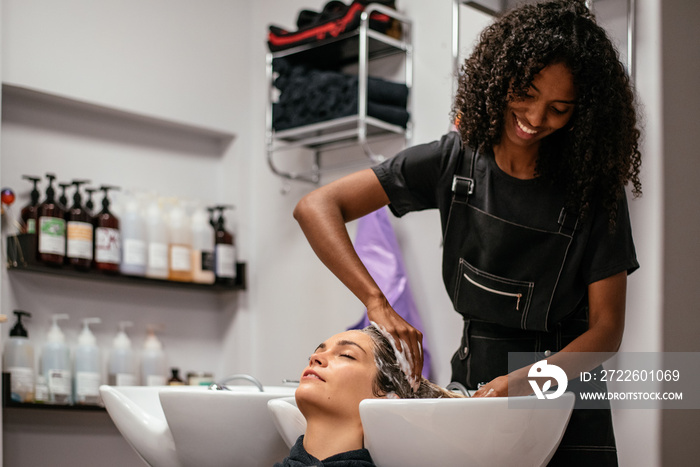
(134, 239)
(30, 211)
(56, 365)
(202, 248)
(87, 366)
(19, 361)
(158, 240)
(121, 371)
(153, 369)
(180, 248)
(51, 242)
(225, 253)
(107, 239)
(79, 232)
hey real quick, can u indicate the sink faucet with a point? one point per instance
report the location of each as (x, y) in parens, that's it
(455, 386)
(221, 385)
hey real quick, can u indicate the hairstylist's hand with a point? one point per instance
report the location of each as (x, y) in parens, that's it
(408, 340)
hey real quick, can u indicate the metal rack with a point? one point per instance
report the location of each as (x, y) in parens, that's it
(359, 46)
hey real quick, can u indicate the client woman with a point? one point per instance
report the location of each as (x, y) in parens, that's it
(344, 370)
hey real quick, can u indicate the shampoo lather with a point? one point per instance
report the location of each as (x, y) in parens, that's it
(19, 361)
(56, 364)
(87, 366)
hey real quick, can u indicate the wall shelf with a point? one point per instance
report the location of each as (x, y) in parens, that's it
(24, 263)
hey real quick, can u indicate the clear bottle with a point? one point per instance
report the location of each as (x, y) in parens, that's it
(153, 369)
(225, 252)
(107, 238)
(180, 248)
(121, 368)
(79, 232)
(202, 248)
(56, 364)
(51, 228)
(19, 361)
(134, 239)
(158, 239)
(87, 366)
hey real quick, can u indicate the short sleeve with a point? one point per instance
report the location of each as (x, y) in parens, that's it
(412, 179)
(608, 253)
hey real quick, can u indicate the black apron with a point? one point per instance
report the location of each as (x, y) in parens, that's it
(502, 278)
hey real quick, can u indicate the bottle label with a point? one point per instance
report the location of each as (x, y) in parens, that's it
(208, 261)
(225, 261)
(79, 240)
(180, 258)
(21, 383)
(59, 383)
(125, 379)
(134, 252)
(158, 255)
(31, 226)
(52, 235)
(87, 385)
(107, 245)
(155, 380)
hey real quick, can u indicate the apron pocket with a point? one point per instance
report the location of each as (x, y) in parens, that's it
(484, 296)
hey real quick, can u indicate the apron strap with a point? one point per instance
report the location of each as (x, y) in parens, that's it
(568, 223)
(463, 186)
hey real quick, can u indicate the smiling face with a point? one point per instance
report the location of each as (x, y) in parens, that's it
(546, 108)
(339, 376)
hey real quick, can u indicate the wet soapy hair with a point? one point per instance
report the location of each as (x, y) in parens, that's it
(390, 377)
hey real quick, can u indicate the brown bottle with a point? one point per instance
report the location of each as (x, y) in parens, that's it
(30, 211)
(224, 251)
(79, 232)
(107, 240)
(51, 229)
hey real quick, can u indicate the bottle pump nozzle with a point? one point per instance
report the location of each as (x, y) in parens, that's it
(18, 329)
(105, 200)
(35, 190)
(121, 340)
(86, 336)
(77, 198)
(50, 193)
(63, 199)
(89, 204)
(55, 334)
(220, 222)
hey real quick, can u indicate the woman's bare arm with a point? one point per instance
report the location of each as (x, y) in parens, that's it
(322, 215)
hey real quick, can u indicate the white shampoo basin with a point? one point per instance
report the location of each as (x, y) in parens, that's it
(183, 426)
(490, 431)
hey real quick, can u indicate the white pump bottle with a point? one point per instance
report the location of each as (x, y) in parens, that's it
(87, 366)
(122, 371)
(153, 369)
(56, 365)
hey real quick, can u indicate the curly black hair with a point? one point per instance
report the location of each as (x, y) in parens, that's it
(597, 153)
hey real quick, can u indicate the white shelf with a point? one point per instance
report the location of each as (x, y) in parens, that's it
(26, 95)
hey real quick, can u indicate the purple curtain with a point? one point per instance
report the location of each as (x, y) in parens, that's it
(378, 249)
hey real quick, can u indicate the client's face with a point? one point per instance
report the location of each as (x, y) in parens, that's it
(339, 375)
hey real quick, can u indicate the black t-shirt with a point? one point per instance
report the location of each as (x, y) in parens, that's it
(420, 178)
(298, 457)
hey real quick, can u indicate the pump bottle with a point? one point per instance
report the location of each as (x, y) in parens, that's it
(87, 366)
(134, 239)
(19, 361)
(158, 239)
(225, 252)
(153, 369)
(121, 370)
(79, 232)
(51, 244)
(56, 365)
(180, 249)
(30, 211)
(202, 248)
(107, 238)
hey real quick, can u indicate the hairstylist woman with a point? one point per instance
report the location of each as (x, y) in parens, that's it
(537, 237)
